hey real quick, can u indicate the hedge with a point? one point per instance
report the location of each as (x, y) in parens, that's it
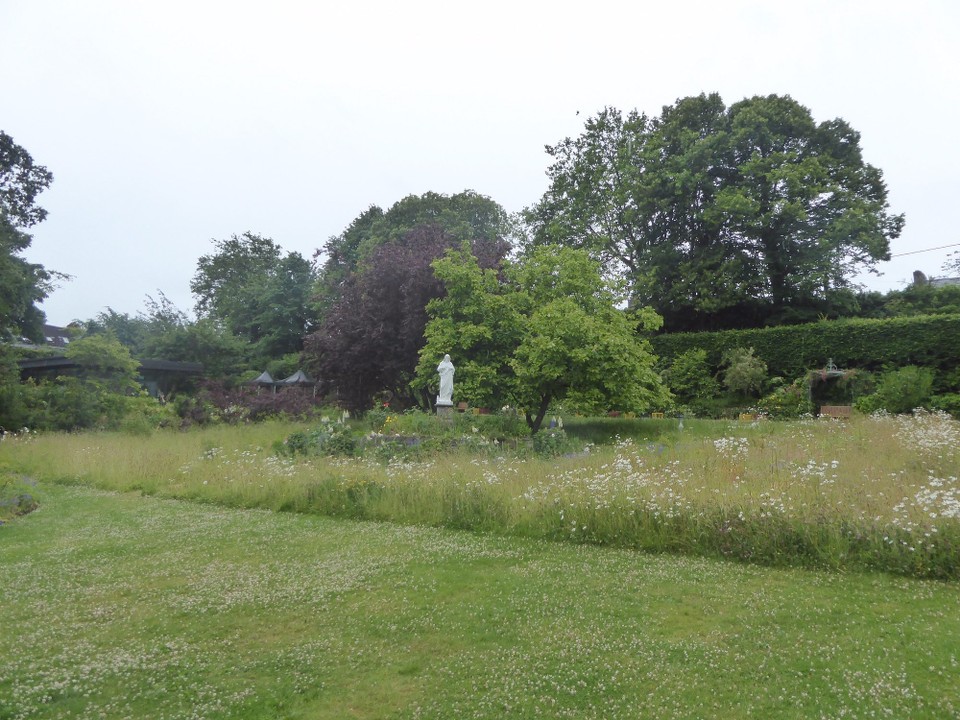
(790, 350)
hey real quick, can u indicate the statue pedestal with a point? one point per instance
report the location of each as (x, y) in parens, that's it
(445, 412)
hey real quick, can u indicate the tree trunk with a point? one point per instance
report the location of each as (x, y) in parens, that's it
(534, 423)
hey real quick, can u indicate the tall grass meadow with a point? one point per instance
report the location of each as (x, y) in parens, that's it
(878, 492)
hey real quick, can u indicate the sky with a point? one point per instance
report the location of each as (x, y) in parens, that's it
(168, 125)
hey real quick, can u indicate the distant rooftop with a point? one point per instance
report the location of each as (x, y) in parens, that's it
(56, 336)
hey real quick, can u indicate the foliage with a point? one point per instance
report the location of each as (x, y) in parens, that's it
(217, 402)
(744, 373)
(717, 216)
(947, 402)
(690, 378)
(102, 393)
(13, 403)
(920, 299)
(102, 358)
(931, 341)
(547, 328)
(260, 296)
(164, 331)
(371, 338)
(787, 402)
(551, 442)
(466, 216)
(952, 263)
(22, 284)
(330, 438)
(899, 391)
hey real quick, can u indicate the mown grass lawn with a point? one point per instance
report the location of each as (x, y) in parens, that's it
(125, 606)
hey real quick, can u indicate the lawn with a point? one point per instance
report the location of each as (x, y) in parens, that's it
(120, 605)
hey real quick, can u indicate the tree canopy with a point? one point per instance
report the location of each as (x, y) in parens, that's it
(546, 328)
(263, 297)
(370, 338)
(720, 216)
(463, 216)
(164, 331)
(22, 284)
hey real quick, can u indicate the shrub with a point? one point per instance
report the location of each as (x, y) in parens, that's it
(234, 405)
(787, 402)
(899, 391)
(329, 438)
(689, 377)
(930, 340)
(745, 373)
(948, 402)
(551, 442)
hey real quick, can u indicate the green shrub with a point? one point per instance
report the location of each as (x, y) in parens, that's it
(947, 402)
(690, 379)
(551, 442)
(144, 414)
(899, 391)
(787, 402)
(745, 373)
(376, 418)
(329, 439)
(789, 351)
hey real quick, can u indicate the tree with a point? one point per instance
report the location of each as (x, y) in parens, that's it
(22, 284)
(464, 216)
(256, 293)
(690, 378)
(370, 339)
(952, 264)
(744, 373)
(720, 217)
(548, 329)
(103, 390)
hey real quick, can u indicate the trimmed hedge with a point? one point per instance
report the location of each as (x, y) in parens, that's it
(790, 350)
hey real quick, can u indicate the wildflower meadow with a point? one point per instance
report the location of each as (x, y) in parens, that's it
(879, 492)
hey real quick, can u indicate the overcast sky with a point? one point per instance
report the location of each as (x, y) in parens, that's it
(168, 124)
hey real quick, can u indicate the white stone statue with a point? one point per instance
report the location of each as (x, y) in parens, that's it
(446, 371)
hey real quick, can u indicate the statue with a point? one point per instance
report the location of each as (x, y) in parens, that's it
(446, 371)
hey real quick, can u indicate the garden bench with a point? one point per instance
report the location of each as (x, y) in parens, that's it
(841, 412)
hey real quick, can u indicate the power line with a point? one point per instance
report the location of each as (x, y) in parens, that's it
(914, 252)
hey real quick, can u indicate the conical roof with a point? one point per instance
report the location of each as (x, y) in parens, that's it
(298, 378)
(263, 379)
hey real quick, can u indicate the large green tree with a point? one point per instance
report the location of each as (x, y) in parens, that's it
(546, 328)
(720, 216)
(22, 284)
(163, 331)
(260, 295)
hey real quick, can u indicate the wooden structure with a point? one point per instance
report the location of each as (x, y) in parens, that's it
(841, 412)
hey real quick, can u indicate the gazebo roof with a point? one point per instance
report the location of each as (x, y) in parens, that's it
(263, 378)
(298, 378)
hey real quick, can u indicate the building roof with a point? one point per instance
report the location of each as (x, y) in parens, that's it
(298, 378)
(59, 362)
(263, 378)
(56, 336)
